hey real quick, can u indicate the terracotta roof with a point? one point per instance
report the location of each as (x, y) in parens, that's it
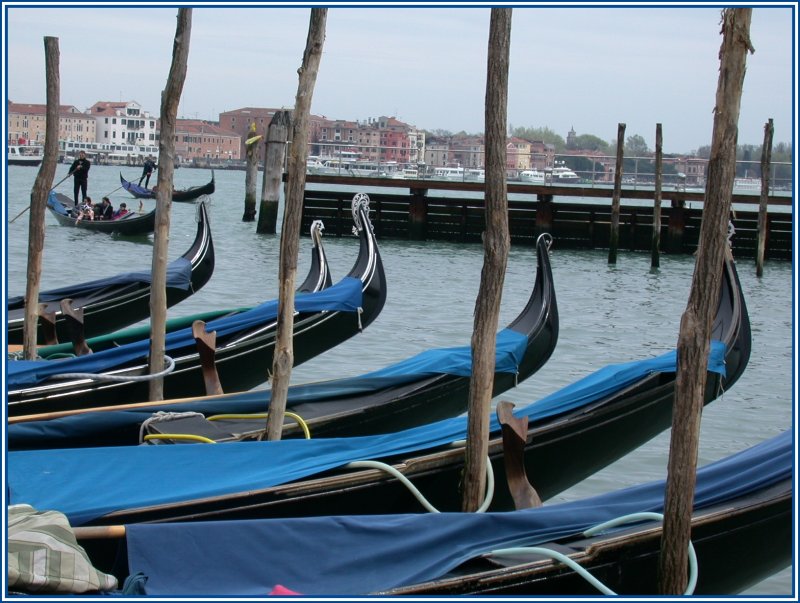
(32, 109)
(198, 126)
(103, 106)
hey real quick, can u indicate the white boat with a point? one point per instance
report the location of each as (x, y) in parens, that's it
(31, 155)
(476, 175)
(563, 175)
(751, 184)
(108, 152)
(449, 173)
(406, 174)
(314, 165)
(532, 176)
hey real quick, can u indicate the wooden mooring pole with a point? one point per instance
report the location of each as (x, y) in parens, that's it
(290, 232)
(655, 254)
(39, 193)
(766, 159)
(496, 244)
(251, 174)
(694, 339)
(277, 135)
(615, 199)
(170, 98)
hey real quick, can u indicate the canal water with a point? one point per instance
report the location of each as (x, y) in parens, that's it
(609, 314)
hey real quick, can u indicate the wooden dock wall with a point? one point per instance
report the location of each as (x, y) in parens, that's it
(417, 216)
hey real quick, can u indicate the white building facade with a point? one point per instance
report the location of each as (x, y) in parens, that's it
(124, 123)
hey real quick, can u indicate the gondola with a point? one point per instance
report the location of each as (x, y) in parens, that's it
(741, 533)
(572, 434)
(427, 387)
(244, 345)
(60, 207)
(188, 194)
(115, 302)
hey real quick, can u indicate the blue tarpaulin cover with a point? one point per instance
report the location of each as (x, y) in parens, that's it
(510, 349)
(179, 274)
(344, 296)
(354, 555)
(139, 190)
(88, 483)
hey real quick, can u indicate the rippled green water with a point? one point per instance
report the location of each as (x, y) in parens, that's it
(608, 313)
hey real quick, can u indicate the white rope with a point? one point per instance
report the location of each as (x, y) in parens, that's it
(164, 415)
(118, 378)
(526, 551)
(416, 493)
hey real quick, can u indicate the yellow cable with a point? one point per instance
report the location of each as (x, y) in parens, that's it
(303, 425)
(179, 436)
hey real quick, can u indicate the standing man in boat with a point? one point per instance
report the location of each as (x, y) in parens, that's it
(80, 176)
(147, 171)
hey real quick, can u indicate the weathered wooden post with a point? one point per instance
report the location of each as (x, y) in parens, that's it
(614, 235)
(418, 214)
(277, 135)
(766, 159)
(39, 193)
(496, 243)
(694, 340)
(251, 174)
(290, 231)
(170, 98)
(655, 260)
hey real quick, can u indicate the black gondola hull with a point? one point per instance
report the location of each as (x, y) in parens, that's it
(243, 361)
(737, 546)
(186, 195)
(116, 307)
(560, 451)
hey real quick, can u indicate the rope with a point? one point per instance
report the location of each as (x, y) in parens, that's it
(413, 489)
(359, 312)
(118, 378)
(178, 436)
(164, 415)
(581, 571)
(298, 419)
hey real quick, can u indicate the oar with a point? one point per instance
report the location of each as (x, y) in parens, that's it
(112, 192)
(27, 208)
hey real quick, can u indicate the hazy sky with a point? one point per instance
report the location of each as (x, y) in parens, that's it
(583, 67)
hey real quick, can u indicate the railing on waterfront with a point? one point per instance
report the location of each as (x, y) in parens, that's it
(345, 158)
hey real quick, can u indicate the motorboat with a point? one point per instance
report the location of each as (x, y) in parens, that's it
(30, 155)
(532, 176)
(561, 174)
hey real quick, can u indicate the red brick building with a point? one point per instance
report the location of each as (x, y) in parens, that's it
(197, 139)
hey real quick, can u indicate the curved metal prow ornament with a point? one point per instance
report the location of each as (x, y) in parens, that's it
(317, 226)
(548, 239)
(360, 200)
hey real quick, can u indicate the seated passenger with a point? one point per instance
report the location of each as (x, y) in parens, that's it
(86, 211)
(105, 211)
(123, 210)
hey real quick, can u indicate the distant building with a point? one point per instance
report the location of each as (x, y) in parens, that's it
(518, 154)
(202, 141)
(437, 152)
(27, 124)
(693, 167)
(239, 120)
(124, 123)
(467, 152)
(542, 155)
